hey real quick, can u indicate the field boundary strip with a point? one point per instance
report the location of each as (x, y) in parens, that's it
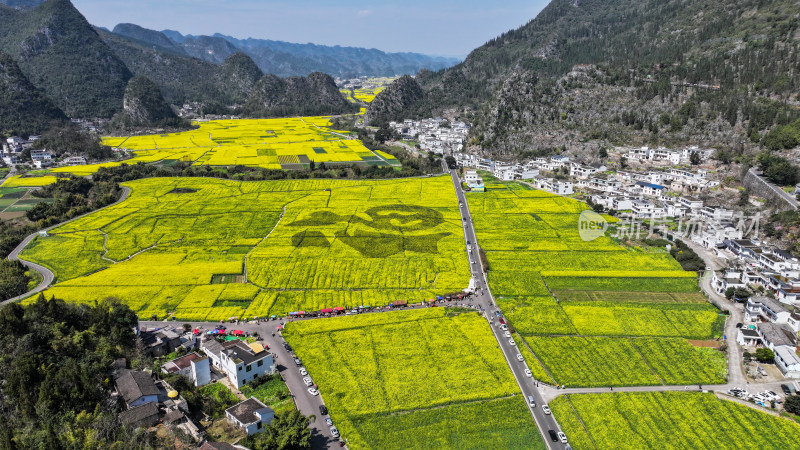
(646, 363)
(277, 222)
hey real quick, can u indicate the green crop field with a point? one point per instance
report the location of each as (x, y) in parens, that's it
(420, 376)
(212, 249)
(583, 305)
(669, 420)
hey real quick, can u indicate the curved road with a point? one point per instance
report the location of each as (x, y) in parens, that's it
(47, 274)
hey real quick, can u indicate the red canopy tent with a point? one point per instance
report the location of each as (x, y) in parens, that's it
(237, 333)
(338, 308)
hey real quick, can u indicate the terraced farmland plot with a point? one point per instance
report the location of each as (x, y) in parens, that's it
(669, 420)
(578, 303)
(394, 379)
(180, 246)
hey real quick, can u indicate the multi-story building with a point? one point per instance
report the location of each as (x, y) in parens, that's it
(240, 362)
(765, 309)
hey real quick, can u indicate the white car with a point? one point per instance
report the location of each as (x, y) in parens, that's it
(303, 371)
(519, 357)
(546, 409)
(508, 334)
(511, 341)
(334, 432)
(528, 373)
(328, 422)
(313, 391)
(562, 437)
(307, 381)
(503, 326)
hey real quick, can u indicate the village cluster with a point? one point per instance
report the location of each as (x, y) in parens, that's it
(663, 194)
(437, 135)
(224, 358)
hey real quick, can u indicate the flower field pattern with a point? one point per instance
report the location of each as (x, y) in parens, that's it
(210, 249)
(287, 143)
(414, 376)
(669, 420)
(583, 307)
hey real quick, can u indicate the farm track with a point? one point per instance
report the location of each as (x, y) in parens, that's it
(47, 275)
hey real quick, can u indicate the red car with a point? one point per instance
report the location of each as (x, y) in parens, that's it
(502, 321)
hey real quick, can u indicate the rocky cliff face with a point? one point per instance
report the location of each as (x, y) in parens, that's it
(144, 105)
(393, 101)
(239, 75)
(315, 94)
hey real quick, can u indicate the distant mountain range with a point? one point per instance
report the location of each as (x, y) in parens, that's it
(287, 59)
(70, 68)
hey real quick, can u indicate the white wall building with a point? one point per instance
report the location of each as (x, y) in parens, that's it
(240, 362)
(250, 415)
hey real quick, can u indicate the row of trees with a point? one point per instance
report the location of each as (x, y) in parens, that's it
(778, 169)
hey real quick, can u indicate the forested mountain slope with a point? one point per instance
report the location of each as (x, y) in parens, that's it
(656, 71)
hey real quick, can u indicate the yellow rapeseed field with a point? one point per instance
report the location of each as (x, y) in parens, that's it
(211, 249)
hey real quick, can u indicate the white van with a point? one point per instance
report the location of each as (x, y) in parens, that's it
(531, 401)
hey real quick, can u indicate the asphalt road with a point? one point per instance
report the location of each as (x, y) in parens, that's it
(484, 299)
(47, 274)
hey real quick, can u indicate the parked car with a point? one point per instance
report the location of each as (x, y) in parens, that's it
(511, 341)
(307, 381)
(287, 347)
(328, 422)
(562, 437)
(503, 321)
(553, 435)
(545, 409)
(313, 391)
(334, 432)
(303, 371)
(508, 334)
(528, 373)
(503, 327)
(519, 357)
(323, 410)
(298, 362)
(786, 389)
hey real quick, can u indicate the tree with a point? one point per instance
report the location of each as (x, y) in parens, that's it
(311, 165)
(623, 162)
(288, 431)
(744, 197)
(765, 355)
(451, 162)
(603, 152)
(694, 158)
(792, 404)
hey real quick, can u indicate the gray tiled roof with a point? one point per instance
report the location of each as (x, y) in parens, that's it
(776, 334)
(134, 384)
(245, 412)
(139, 413)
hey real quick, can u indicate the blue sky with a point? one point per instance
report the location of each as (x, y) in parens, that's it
(437, 27)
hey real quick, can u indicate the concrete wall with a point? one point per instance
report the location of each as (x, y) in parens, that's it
(760, 187)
